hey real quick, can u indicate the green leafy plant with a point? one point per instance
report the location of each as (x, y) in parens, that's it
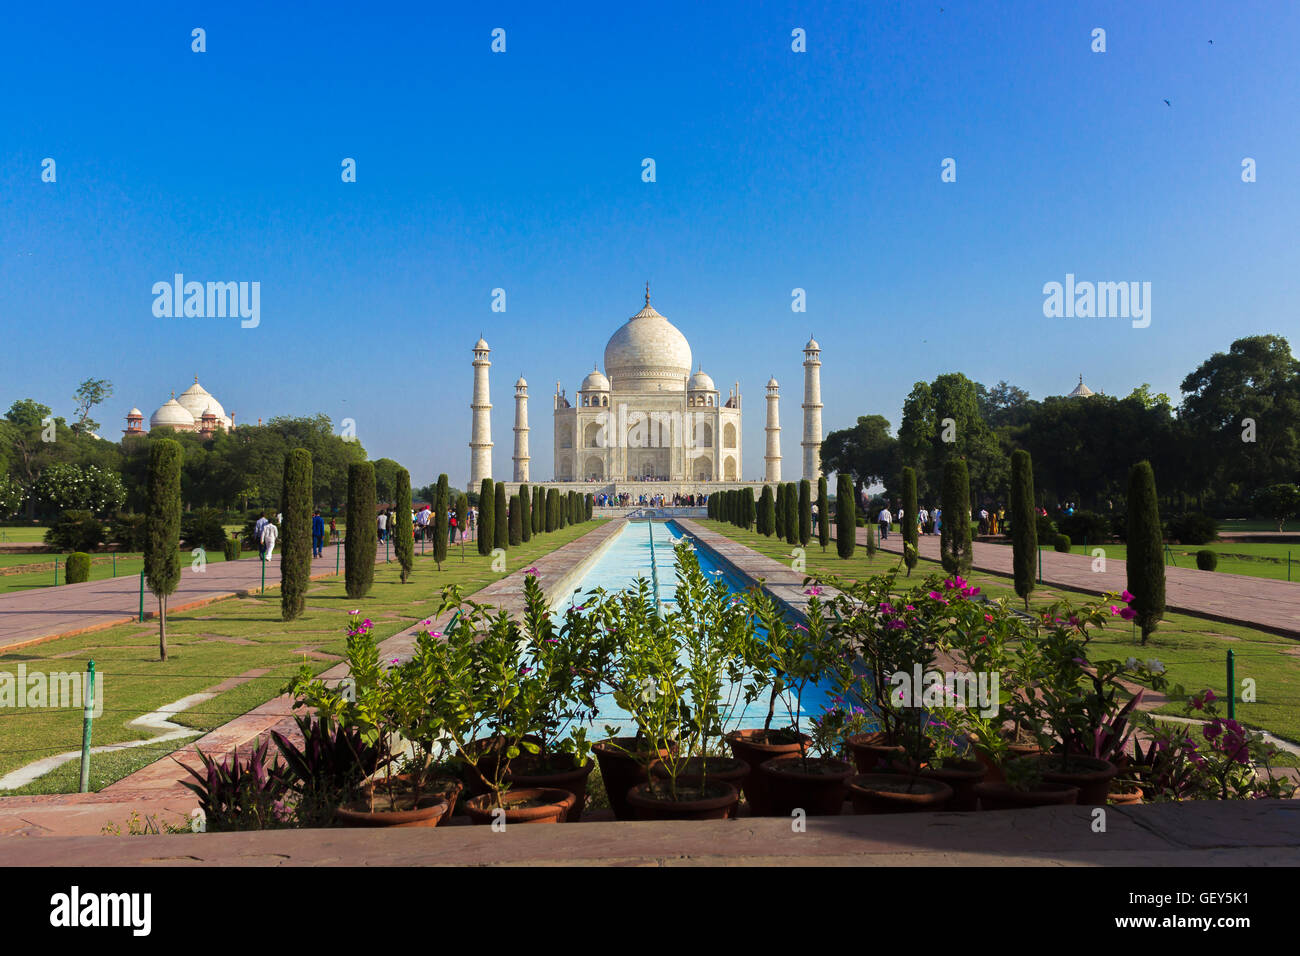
(240, 792)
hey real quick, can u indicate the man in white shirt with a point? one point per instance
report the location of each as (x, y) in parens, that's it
(383, 524)
(258, 528)
(885, 518)
(269, 534)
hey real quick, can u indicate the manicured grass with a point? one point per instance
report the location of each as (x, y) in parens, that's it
(24, 533)
(1193, 650)
(232, 638)
(1256, 560)
(101, 567)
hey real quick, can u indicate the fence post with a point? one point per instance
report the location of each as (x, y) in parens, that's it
(142, 595)
(338, 542)
(56, 571)
(114, 564)
(88, 717)
(1232, 688)
(1040, 564)
(263, 573)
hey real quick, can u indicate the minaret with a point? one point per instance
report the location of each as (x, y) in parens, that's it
(812, 411)
(521, 430)
(480, 444)
(773, 429)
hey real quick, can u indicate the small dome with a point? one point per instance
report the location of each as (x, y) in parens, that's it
(700, 382)
(481, 346)
(171, 415)
(1081, 390)
(595, 382)
(771, 382)
(196, 400)
(135, 413)
(812, 346)
(521, 383)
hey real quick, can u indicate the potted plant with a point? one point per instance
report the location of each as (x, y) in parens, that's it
(399, 712)
(328, 770)
(804, 655)
(670, 677)
(1022, 788)
(493, 688)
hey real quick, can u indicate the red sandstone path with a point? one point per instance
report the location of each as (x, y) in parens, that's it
(40, 614)
(1266, 604)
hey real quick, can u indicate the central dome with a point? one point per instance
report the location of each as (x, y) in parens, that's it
(648, 353)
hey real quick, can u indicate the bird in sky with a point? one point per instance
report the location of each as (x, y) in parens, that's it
(1167, 103)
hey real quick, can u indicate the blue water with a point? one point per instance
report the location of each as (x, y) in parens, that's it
(627, 558)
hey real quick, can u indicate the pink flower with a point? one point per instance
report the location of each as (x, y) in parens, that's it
(1128, 614)
(984, 640)
(1127, 597)
(989, 618)
(813, 591)
(531, 572)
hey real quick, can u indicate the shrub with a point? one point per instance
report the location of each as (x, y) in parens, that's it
(162, 559)
(1206, 559)
(871, 540)
(954, 534)
(525, 513)
(805, 510)
(516, 528)
(1087, 527)
(361, 543)
(203, 528)
(128, 531)
(441, 524)
(1061, 543)
(487, 523)
(501, 517)
(1046, 526)
(295, 533)
(791, 513)
(241, 792)
(76, 531)
(231, 548)
(1024, 524)
(909, 519)
(767, 512)
(403, 532)
(1192, 528)
(1119, 526)
(77, 567)
(823, 513)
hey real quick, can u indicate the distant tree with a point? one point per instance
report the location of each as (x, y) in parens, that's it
(552, 509)
(90, 393)
(487, 523)
(591, 507)
(386, 480)
(360, 544)
(866, 452)
(823, 513)
(501, 538)
(403, 532)
(791, 513)
(162, 563)
(805, 512)
(909, 519)
(515, 527)
(846, 520)
(780, 512)
(1280, 503)
(1145, 560)
(1024, 524)
(954, 535)
(525, 513)
(441, 526)
(295, 534)
(767, 512)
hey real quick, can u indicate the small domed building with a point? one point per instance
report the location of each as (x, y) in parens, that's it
(195, 411)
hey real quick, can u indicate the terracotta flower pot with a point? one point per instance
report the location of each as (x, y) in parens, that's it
(872, 753)
(557, 772)
(487, 764)
(722, 769)
(993, 772)
(1126, 798)
(897, 793)
(621, 771)
(961, 776)
(1000, 796)
(450, 790)
(1091, 775)
(427, 812)
(818, 787)
(752, 747)
(534, 805)
(715, 801)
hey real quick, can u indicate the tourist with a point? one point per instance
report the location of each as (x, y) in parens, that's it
(258, 527)
(334, 530)
(451, 527)
(317, 534)
(473, 520)
(422, 523)
(938, 519)
(885, 519)
(383, 525)
(269, 534)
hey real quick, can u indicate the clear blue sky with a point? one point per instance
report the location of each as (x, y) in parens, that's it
(775, 170)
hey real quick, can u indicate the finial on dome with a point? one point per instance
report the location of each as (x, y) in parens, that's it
(647, 293)
(196, 380)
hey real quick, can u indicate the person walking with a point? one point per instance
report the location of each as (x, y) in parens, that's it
(885, 519)
(473, 521)
(451, 526)
(382, 522)
(258, 527)
(334, 529)
(317, 535)
(269, 534)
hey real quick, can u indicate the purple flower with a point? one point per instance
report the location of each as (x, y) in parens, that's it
(531, 572)
(813, 591)
(1127, 597)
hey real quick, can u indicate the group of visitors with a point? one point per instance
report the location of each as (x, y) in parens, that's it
(628, 500)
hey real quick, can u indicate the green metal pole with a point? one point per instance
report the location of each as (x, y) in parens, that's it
(385, 549)
(263, 574)
(141, 595)
(114, 564)
(1040, 564)
(338, 542)
(88, 716)
(56, 572)
(1232, 687)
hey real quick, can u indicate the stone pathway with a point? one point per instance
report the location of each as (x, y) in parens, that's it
(1268, 605)
(41, 614)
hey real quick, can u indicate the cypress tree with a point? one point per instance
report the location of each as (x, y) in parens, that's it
(552, 509)
(805, 512)
(1024, 524)
(462, 513)
(823, 514)
(525, 514)
(162, 559)
(501, 517)
(779, 523)
(871, 540)
(295, 533)
(954, 536)
(487, 523)
(516, 520)
(403, 533)
(766, 512)
(361, 543)
(1146, 562)
(748, 501)
(441, 527)
(791, 513)
(573, 508)
(591, 507)
(539, 510)
(846, 522)
(910, 539)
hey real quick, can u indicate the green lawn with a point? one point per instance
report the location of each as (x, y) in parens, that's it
(208, 645)
(101, 566)
(1194, 650)
(1256, 560)
(26, 533)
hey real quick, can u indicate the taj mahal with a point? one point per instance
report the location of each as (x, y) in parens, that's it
(646, 417)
